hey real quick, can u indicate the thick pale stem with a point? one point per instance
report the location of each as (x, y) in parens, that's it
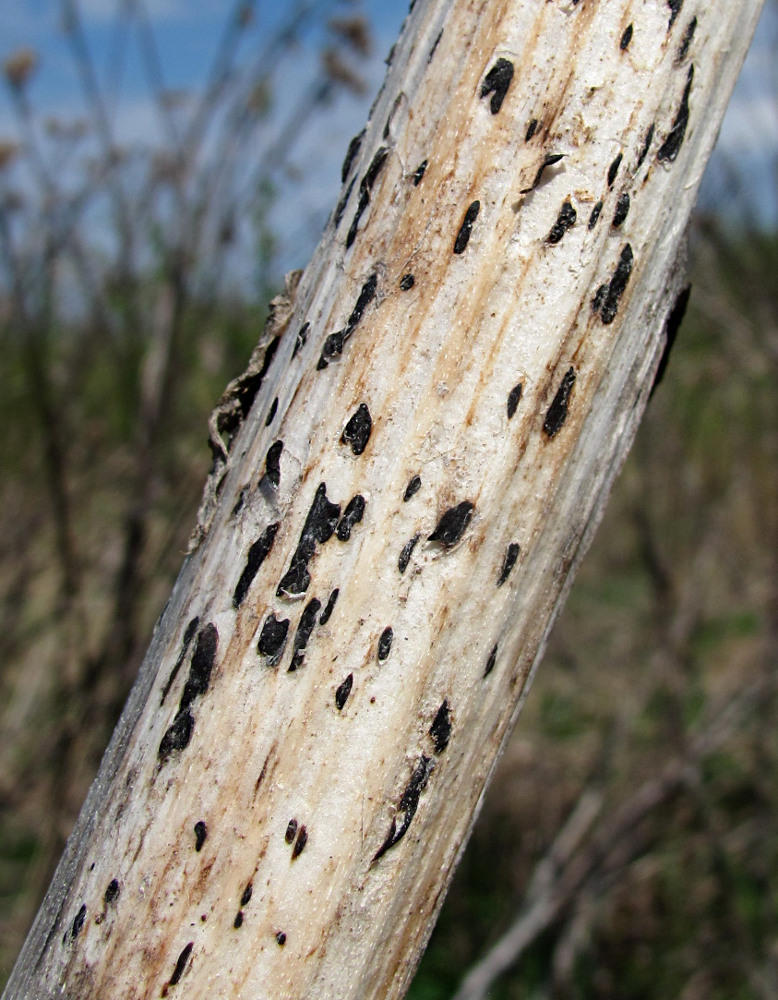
(455, 385)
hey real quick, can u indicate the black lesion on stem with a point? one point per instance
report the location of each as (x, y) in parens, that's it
(452, 524)
(257, 554)
(440, 730)
(672, 326)
(626, 38)
(272, 639)
(671, 147)
(201, 833)
(319, 526)
(329, 607)
(514, 397)
(352, 515)
(491, 660)
(557, 412)
(385, 643)
(409, 803)
(351, 154)
(565, 220)
(406, 553)
(357, 431)
(273, 463)
(613, 169)
(606, 300)
(365, 187)
(412, 488)
(418, 173)
(333, 345)
(622, 210)
(496, 83)
(511, 555)
(179, 733)
(463, 236)
(343, 691)
(303, 633)
(688, 37)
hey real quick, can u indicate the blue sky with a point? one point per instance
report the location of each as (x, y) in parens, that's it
(187, 31)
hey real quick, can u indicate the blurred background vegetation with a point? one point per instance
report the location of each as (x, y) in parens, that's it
(628, 847)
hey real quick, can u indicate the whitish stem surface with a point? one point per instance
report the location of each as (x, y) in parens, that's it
(415, 467)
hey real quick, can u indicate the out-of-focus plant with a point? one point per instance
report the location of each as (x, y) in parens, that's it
(133, 277)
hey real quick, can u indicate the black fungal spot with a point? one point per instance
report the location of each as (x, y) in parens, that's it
(609, 297)
(452, 524)
(686, 42)
(344, 690)
(675, 10)
(191, 628)
(200, 832)
(365, 187)
(671, 147)
(412, 488)
(595, 215)
(238, 921)
(245, 899)
(418, 173)
(183, 958)
(463, 236)
(333, 345)
(496, 83)
(319, 526)
(565, 220)
(557, 412)
(646, 146)
(281, 938)
(409, 803)
(491, 660)
(112, 892)
(260, 550)
(531, 129)
(407, 282)
(626, 38)
(177, 735)
(622, 210)
(613, 169)
(273, 463)
(357, 430)
(511, 555)
(201, 665)
(337, 215)
(440, 730)
(407, 552)
(272, 639)
(300, 339)
(385, 643)
(303, 633)
(329, 607)
(352, 515)
(272, 411)
(291, 831)
(78, 922)
(514, 396)
(549, 161)
(672, 326)
(434, 47)
(299, 844)
(351, 154)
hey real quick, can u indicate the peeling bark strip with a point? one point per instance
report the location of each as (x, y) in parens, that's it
(365, 794)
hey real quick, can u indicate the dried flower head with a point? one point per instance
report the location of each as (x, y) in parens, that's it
(355, 31)
(19, 67)
(8, 152)
(340, 72)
